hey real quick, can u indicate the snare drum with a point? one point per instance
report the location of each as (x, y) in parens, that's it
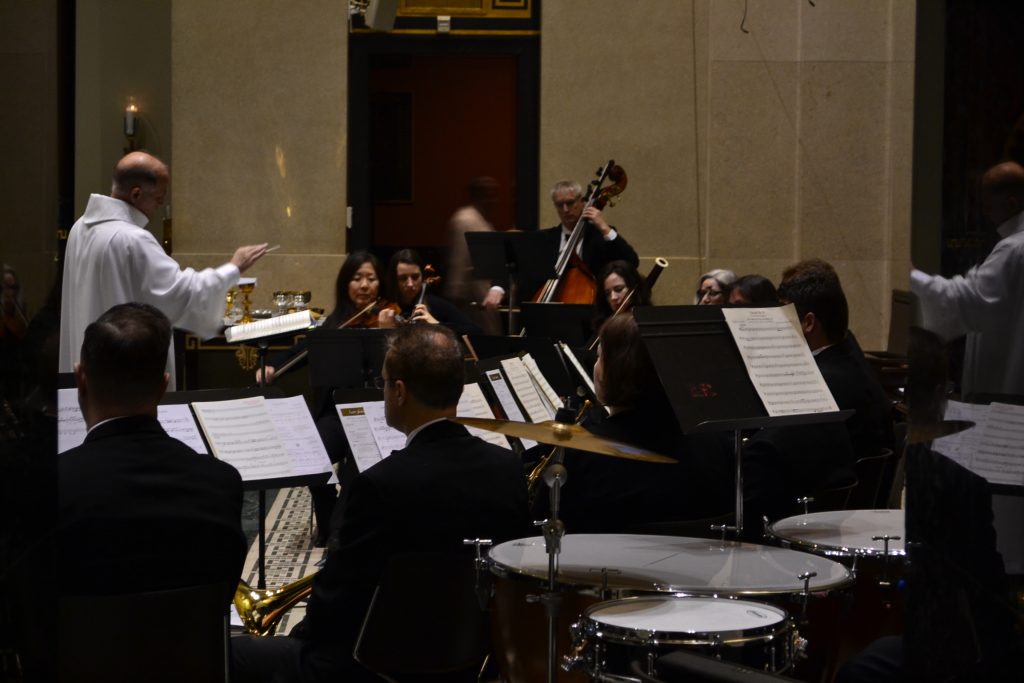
(612, 634)
(596, 567)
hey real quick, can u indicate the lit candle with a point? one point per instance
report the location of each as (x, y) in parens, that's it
(129, 117)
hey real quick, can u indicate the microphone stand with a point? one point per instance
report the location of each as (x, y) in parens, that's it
(554, 476)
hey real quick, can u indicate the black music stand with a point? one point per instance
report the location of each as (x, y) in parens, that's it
(569, 323)
(510, 257)
(543, 350)
(259, 485)
(346, 358)
(706, 381)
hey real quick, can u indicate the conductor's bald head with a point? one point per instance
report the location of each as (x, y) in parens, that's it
(140, 179)
(1003, 191)
(124, 354)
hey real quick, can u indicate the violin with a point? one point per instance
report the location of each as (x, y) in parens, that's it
(369, 317)
(573, 282)
(430, 279)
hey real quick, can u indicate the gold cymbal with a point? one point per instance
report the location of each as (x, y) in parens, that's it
(923, 433)
(560, 434)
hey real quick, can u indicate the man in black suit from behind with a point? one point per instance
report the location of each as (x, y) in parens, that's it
(443, 487)
(139, 511)
(601, 243)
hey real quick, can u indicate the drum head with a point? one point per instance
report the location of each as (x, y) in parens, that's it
(843, 533)
(682, 619)
(696, 566)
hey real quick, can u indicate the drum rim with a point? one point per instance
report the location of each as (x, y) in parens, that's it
(730, 638)
(829, 550)
(505, 571)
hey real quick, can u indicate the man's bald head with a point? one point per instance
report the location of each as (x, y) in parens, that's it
(1003, 191)
(140, 179)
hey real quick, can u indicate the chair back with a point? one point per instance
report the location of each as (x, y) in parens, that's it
(871, 470)
(434, 594)
(173, 635)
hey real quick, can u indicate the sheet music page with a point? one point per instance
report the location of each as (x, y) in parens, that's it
(359, 434)
(962, 446)
(778, 360)
(241, 433)
(367, 420)
(537, 408)
(177, 421)
(473, 403)
(579, 367)
(1000, 455)
(71, 427)
(298, 433)
(547, 391)
(508, 403)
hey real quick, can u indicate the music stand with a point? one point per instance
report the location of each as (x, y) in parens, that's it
(543, 350)
(713, 392)
(510, 257)
(568, 323)
(345, 359)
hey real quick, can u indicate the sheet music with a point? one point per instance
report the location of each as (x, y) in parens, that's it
(242, 433)
(368, 433)
(473, 403)
(579, 367)
(177, 421)
(547, 391)
(298, 433)
(779, 361)
(962, 446)
(71, 427)
(537, 408)
(291, 322)
(1000, 456)
(508, 403)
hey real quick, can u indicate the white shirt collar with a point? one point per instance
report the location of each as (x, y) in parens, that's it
(412, 435)
(1011, 226)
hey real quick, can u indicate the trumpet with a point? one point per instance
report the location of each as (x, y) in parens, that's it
(261, 610)
(538, 470)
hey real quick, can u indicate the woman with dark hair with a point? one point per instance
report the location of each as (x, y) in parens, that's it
(753, 290)
(615, 282)
(404, 284)
(609, 495)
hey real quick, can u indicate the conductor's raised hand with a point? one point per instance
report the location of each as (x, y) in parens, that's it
(246, 256)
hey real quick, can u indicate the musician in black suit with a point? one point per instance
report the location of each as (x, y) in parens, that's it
(139, 511)
(443, 487)
(601, 243)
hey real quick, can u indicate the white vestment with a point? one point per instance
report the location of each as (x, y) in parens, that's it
(112, 259)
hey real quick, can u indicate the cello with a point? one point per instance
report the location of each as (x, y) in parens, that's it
(573, 283)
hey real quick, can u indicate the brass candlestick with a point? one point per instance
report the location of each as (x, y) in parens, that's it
(229, 299)
(246, 290)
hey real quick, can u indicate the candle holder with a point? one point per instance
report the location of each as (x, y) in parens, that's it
(246, 289)
(229, 310)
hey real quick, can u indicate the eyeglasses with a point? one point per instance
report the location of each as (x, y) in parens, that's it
(380, 382)
(701, 293)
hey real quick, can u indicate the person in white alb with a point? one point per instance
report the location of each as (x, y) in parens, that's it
(986, 304)
(111, 259)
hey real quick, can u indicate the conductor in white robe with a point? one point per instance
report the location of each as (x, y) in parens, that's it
(112, 259)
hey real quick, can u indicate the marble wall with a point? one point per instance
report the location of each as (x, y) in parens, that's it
(259, 147)
(747, 149)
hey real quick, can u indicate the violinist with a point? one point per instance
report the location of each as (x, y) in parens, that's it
(406, 285)
(601, 242)
(614, 285)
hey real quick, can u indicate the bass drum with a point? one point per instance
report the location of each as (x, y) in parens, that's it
(611, 635)
(597, 567)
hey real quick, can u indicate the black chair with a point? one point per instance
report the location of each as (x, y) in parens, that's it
(870, 473)
(173, 635)
(435, 595)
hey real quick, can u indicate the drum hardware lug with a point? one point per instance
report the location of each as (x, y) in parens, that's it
(483, 589)
(765, 524)
(806, 578)
(605, 594)
(805, 500)
(885, 538)
(724, 528)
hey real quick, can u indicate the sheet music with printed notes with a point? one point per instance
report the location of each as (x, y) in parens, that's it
(778, 360)
(473, 403)
(579, 367)
(508, 402)
(178, 422)
(369, 436)
(538, 409)
(298, 433)
(71, 429)
(994, 447)
(547, 391)
(242, 433)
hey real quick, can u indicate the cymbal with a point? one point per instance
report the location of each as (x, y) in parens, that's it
(560, 434)
(923, 433)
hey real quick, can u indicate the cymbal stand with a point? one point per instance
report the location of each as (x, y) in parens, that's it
(737, 528)
(554, 476)
(262, 346)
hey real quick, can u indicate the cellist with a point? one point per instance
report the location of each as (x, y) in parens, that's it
(601, 243)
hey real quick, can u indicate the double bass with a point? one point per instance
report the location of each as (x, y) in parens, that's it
(573, 283)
